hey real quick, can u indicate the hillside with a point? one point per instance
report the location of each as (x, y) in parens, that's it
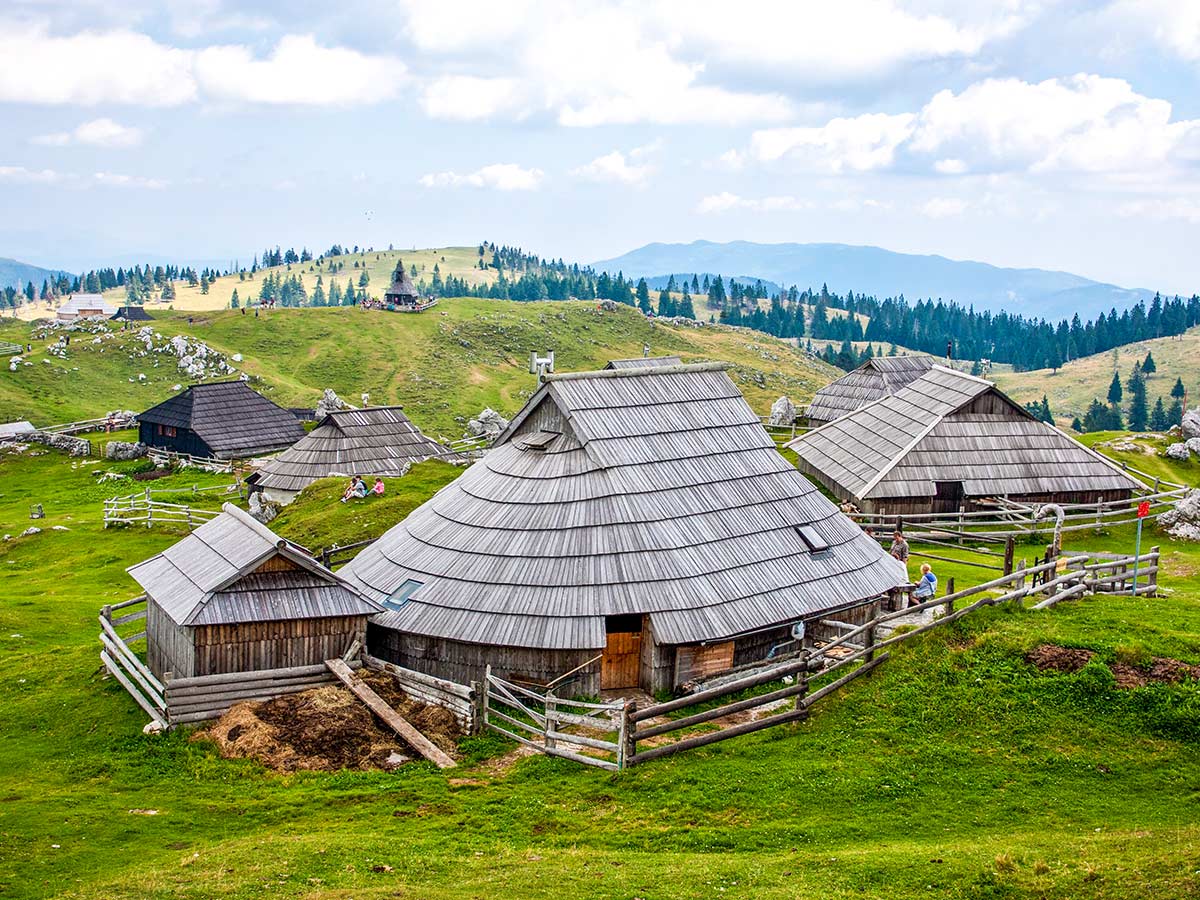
(444, 365)
(14, 273)
(884, 273)
(1077, 383)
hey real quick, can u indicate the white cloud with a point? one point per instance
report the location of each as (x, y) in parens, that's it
(618, 168)
(1163, 209)
(856, 144)
(1174, 24)
(498, 176)
(126, 67)
(299, 72)
(112, 179)
(88, 68)
(97, 132)
(950, 167)
(725, 201)
(942, 207)
(467, 98)
(21, 174)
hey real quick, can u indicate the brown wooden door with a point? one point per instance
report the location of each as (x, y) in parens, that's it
(620, 666)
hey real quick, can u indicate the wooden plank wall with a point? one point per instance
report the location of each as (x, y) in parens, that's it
(248, 646)
(169, 646)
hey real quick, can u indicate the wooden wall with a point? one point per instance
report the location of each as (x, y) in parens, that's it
(250, 646)
(168, 646)
(658, 662)
(905, 506)
(464, 663)
(185, 440)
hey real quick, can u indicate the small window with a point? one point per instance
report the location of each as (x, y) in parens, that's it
(811, 539)
(538, 440)
(401, 594)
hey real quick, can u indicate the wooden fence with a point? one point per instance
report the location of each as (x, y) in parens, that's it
(139, 509)
(8, 348)
(335, 554)
(465, 701)
(539, 719)
(208, 463)
(123, 663)
(84, 425)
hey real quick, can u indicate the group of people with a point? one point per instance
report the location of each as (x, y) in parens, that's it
(357, 489)
(926, 588)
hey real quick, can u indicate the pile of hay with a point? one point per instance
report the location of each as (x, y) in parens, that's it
(328, 729)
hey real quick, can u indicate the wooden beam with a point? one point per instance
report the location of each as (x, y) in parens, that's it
(377, 705)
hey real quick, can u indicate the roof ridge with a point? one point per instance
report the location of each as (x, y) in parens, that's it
(644, 370)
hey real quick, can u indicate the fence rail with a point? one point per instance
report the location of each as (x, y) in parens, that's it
(335, 554)
(211, 464)
(125, 665)
(137, 509)
(110, 423)
(8, 348)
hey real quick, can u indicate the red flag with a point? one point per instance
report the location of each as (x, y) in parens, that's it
(1143, 509)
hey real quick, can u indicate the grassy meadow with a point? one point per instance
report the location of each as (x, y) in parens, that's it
(444, 365)
(956, 770)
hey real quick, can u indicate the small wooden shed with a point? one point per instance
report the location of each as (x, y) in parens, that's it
(638, 517)
(233, 596)
(131, 313)
(947, 441)
(402, 293)
(221, 419)
(379, 440)
(873, 380)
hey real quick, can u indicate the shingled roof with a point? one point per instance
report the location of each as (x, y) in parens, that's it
(402, 285)
(212, 577)
(132, 313)
(874, 379)
(900, 445)
(644, 362)
(93, 304)
(380, 440)
(650, 490)
(230, 417)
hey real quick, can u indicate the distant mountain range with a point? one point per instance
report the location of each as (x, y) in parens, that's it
(14, 273)
(1036, 293)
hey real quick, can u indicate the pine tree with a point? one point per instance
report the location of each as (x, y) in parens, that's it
(1076, 425)
(234, 303)
(364, 279)
(1178, 390)
(1158, 416)
(643, 297)
(685, 304)
(204, 284)
(1175, 413)
(1139, 416)
(1115, 394)
(1148, 365)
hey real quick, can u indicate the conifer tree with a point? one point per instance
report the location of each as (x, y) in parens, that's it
(1148, 365)
(1115, 395)
(1139, 414)
(1158, 416)
(234, 303)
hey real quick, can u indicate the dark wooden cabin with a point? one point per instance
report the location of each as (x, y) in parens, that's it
(948, 441)
(222, 420)
(402, 293)
(233, 596)
(638, 516)
(131, 313)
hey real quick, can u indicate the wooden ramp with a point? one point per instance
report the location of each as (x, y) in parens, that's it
(379, 706)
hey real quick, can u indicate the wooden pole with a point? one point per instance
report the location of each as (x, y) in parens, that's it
(1009, 549)
(551, 721)
(949, 607)
(869, 637)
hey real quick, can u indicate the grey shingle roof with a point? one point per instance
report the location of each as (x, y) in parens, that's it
(658, 492)
(873, 380)
(230, 417)
(209, 577)
(900, 445)
(380, 440)
(644, 362)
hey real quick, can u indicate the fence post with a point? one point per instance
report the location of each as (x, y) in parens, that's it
(628, 735)
(961, 540)
(551, 722)
(803, 675)
(487, 684)
(1099, 516)
(1009, 549)
(1019, 584)
(474, 726)
(948, 607)
(1154, 554)
(869, 636)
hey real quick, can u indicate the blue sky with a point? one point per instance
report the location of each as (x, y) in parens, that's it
(1053, 134)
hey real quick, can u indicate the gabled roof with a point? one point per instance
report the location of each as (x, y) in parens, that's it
(874, 379)
(13, 429)
(230, 417)
(380, 440)
(132, 314)
(901, 445)
(644, 362)
(401, 282)
(210, 577)
(650, 490)
(76, 302)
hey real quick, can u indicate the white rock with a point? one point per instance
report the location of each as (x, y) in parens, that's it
(1191, 424)
(32, 529)
(237, 357)
(488, 423)
(59, 528)
(783, 412)
(1179, 451)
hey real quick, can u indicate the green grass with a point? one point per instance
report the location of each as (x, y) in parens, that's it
(956, 770)
(444, 365)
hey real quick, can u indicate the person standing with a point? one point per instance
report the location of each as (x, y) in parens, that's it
(900, 547)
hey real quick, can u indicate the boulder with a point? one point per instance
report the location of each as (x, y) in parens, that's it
(32, 529)
(1183, 520)
(1194, 445)
(123, 450)
(1191, 424)
(783, 412)
(1180, 451)
(330, 402)
(261, 509)
(488, 424)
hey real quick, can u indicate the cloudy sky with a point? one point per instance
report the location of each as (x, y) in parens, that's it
(1043, 133)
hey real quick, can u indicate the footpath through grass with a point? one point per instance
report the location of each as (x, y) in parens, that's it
(956, 770)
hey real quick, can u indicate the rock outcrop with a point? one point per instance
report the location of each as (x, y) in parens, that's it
(783, 412)
(1183, 521)
(488, 424)
(123, 450)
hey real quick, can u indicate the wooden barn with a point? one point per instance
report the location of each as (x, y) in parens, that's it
(131, 313)
(403, 294)
(233, 596)
(222, 420)
(379, 440)
(84, 306)
(636, 522)
(947, 441)
(873, 380)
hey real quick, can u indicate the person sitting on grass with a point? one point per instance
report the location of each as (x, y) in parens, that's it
(927, 586)
(378, 489)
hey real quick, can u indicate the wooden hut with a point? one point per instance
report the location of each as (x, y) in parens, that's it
(403, 293)
(640, 517)
(379, 440)
(947, 441)
(84, 306)
(233, 596)
(222, 420)
(131, 313)
(876, 378)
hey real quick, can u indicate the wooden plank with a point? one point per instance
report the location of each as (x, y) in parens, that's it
(709, 714)
(712, 737)
(713, 693)
(120, 653)
(554, 751)
(129, 655)
(203, 681)
(145, 704)
(828, 689)
(449, 687)
(376, 704)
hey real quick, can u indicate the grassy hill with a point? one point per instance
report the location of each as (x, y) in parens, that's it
(443, 365)
(1077, 383)
(956, 770)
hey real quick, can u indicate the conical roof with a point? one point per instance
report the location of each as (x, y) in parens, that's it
(651, 490)
(402, 285)
(879, 377)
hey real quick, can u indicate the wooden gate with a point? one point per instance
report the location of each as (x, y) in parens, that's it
(621, 666)
(948, 497)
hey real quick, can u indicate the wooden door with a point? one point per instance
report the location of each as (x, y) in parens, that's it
(620, 666)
